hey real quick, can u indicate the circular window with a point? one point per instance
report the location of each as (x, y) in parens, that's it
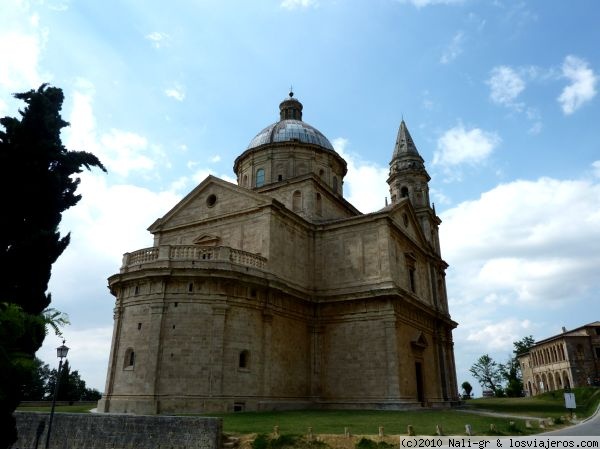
(211, 200)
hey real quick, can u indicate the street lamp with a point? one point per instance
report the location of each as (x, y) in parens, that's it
(61, 352)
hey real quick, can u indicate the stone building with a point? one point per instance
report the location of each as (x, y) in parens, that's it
(569, 359)
(277, 293)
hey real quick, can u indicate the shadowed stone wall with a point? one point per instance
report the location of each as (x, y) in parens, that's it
(100, 431)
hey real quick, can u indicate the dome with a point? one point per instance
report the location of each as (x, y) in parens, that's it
(290, 127)
(290, 130)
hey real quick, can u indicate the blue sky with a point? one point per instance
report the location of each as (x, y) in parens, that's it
(500, 98)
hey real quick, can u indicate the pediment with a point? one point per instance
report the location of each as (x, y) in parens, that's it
(207, 240)
(212, 198)
(419, 343)
(406, 221)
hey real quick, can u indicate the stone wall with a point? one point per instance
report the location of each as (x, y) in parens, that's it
(99, 431)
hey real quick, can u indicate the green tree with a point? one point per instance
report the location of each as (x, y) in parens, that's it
(467, 389)
(15, 363)
(523, 345)
(34, 386)
(511, 370)
(36, 186)
(71, 386)
(488, 374)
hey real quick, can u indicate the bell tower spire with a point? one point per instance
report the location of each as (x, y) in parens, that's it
(409, 179)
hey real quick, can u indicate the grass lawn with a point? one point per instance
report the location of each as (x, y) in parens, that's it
(551, 404)
(367, 422)
(452, 422)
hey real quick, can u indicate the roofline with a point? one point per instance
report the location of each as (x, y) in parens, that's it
(562, 335)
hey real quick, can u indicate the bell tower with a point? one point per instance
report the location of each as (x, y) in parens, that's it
(409, 179)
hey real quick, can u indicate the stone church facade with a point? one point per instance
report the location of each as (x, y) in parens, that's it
(277, 293)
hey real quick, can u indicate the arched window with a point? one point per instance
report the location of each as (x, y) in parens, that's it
(245, 182)
(260, 177)
(404, 192)
(335, 184)
(297, 201)
(129, 361)
(244, 359)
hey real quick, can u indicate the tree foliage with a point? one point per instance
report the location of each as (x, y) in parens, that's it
(34, 386)
(523, 345)
(467, 389)
(511, 370)
(37, 184)
(488, 374)
(505, 378)
(71, 386)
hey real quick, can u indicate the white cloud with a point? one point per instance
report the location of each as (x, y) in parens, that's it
(22, 40)
(523, 249)
(506, 85)
(439, 197)
(158, 39)
(122, 152)
(454, 48)
(294, 4)
(423, 3)
(364, 184)
(89, 350)
(596, 168)
(525, 242)
(536, 128)
(175, 92)
(215, 158)
(57, 5)
(461, 146)
(583, 84)
(498, 335)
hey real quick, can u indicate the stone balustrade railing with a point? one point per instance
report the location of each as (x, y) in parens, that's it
(192, 252)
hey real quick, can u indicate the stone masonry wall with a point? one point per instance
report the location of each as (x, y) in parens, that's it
(99, 431)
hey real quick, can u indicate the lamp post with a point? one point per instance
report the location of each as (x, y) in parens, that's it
(61, 352)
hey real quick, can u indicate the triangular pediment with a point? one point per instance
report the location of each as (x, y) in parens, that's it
(212, 198)
(406, 221)
(419, 342)
(207, 240)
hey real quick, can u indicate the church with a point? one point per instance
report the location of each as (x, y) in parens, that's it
(277, 293)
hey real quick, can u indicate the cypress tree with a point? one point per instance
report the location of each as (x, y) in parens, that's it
(37, 184)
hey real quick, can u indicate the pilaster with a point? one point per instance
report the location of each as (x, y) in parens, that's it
(267, 350)
(392, 361)
(216, 351)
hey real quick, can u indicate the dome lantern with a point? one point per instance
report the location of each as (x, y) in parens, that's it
(290, 108)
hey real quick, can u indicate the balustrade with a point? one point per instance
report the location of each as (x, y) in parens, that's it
(193, 252)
